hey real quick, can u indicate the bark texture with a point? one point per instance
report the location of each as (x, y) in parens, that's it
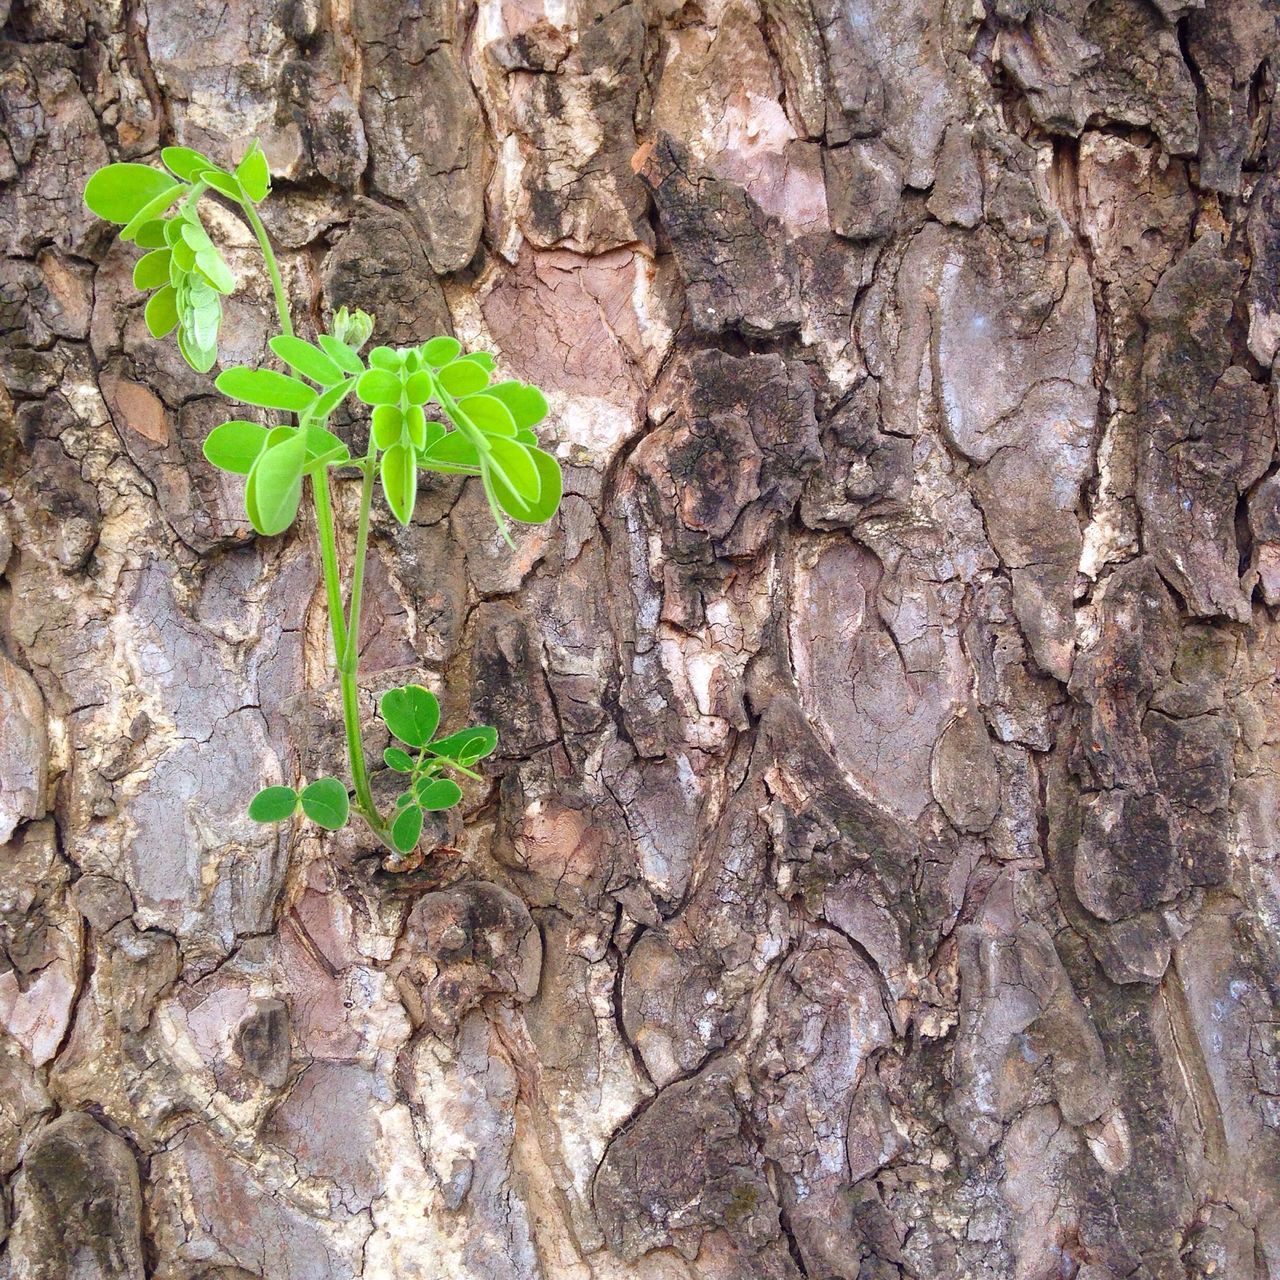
(878, 876)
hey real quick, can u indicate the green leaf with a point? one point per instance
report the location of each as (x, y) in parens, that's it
(341, 354)
(210, 265)
(118, 191)
(528, 406)
(150, 211)
(265, 387)
(406, 829)
(187, 164)
(419, 387)
(483, 358)
(415, 423)
(388, 423)
(400, 480)
(411, 712)
(386, 358)
(438, 793)
(514, 469)
(307, 360)
(400, 761)
(224, 184)
(545, 505)
(326, 803)
(273, 804)
(253, 174)
(275, 485)
(331, 399)
(377, 386)
(453, 454)
(467, 745)
(150, 235)
(200, 358)
(463, 378)
(152, 269)
(490, 415)
(324, 448)
(162, 312)
(235, 446)
(439, 351)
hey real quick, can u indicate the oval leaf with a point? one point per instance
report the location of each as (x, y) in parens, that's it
(275, 485)
(273, 804)
(152, 269)
(117, 192)
(438, 793)
(341, 354)
(490, 415)
(406, 829)
(527, 405)
(411, 713)
(253, 174)
(452, 454)
(326, 803)
(467, 745)
(400, 481)
(162, 312)
(439, 351)
(187, 164)
(545, 505)
(265, 387)
(400, 761)
(463, 378)
(235, 446)
(307, 360)
(377, 386)
(388, 423)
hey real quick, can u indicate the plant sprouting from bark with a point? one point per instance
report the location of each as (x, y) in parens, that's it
(434, 408)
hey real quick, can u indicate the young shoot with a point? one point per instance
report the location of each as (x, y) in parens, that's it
(433, 407)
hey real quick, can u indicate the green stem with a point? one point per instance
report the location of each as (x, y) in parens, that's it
(349, 659)
(329, 559)
(273, 267)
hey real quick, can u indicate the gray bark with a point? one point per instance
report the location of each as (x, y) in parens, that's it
(877, 876)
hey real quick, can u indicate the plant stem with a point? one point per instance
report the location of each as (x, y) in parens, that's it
(349, 659)
(273, 267)
(329, 560)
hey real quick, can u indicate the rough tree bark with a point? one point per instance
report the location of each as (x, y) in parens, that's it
(878, 876)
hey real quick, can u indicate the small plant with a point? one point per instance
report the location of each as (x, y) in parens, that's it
(434, 408)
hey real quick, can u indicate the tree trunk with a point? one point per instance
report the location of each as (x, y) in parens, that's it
(877, 874)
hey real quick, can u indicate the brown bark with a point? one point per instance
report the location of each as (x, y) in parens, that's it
(877, 876)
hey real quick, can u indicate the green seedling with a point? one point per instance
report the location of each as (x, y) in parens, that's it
(434, 408)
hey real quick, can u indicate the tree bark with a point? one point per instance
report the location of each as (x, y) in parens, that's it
(877, 874)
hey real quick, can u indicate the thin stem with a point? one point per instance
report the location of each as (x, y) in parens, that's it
(349, 660)
(329, 560)
(273, 267)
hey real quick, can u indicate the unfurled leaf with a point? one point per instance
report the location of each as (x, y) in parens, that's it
(201, 359)
(528, 406)
(117, 192)
(235, 446)
(490, 415)
(275, 485)
(415, 423)
(377, 386)
(150, 211)
(388, 423)
(545, 505)
(187, 164)
(223, 183)
(265, 387)
(386, 358)
(324, 449)
(467, 745)
(326, 803)
(400, 761)
(341, 354)
(150, 235)
(162, 312)
(273, 804)
(438, 793)
(483, 358)
(513, 468)
(253, 174)
(406, 829)
(418, 388)
(439, 351)
(462, 378)
(452, 454)
(411, 712)
(210, 265)
(399, 471)
(152, 269)
(307, 360)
